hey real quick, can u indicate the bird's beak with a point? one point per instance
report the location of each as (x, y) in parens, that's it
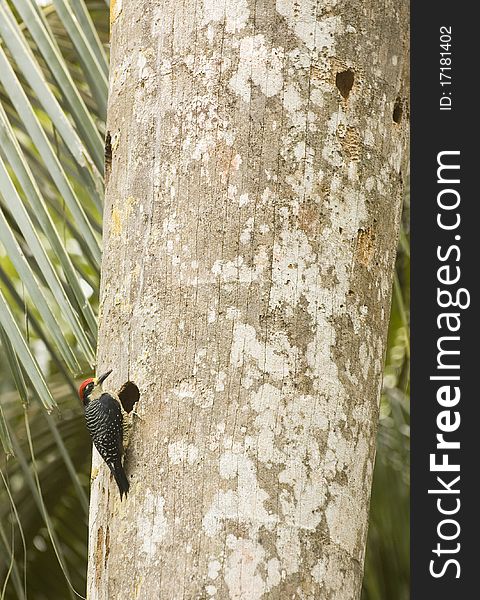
(102, 378)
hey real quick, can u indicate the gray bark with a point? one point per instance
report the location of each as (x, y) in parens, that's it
(252, 212)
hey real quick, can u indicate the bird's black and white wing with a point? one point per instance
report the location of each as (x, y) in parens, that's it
(105, 423)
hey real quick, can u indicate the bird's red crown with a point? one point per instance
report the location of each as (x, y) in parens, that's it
(83, 385)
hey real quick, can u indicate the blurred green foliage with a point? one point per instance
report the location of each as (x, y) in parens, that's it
(51, 157)
(387, 564)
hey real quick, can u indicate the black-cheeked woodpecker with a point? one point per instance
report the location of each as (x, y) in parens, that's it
(105, 422)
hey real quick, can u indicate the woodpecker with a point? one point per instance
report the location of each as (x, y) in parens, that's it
(105, 423)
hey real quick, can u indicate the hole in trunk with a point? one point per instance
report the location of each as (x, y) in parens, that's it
(397, 111)
(129, 395)
(344, 82)
(108, 155)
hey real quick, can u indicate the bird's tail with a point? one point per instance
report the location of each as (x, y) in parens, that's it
(120, 477)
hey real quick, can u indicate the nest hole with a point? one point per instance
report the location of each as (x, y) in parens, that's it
(129, 395)
(344, 82)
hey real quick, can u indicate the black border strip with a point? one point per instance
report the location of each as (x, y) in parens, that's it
(448, 129)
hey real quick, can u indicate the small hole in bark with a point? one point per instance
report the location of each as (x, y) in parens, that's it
(129, 395)
(344, 82)
(397, 111)
(108, 154)
(107, 545)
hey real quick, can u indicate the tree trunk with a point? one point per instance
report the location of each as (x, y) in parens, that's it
(252, 211)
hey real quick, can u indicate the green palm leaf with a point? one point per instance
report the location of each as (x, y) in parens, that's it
(52, 56)
(53, 89)
(32, 123)
(23, 174)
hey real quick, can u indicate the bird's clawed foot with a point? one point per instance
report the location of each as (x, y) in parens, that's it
(134, 412)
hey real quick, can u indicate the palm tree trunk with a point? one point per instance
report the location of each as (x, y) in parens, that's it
(252, 212)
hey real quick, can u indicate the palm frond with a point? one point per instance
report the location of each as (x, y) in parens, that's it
(53, 89)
